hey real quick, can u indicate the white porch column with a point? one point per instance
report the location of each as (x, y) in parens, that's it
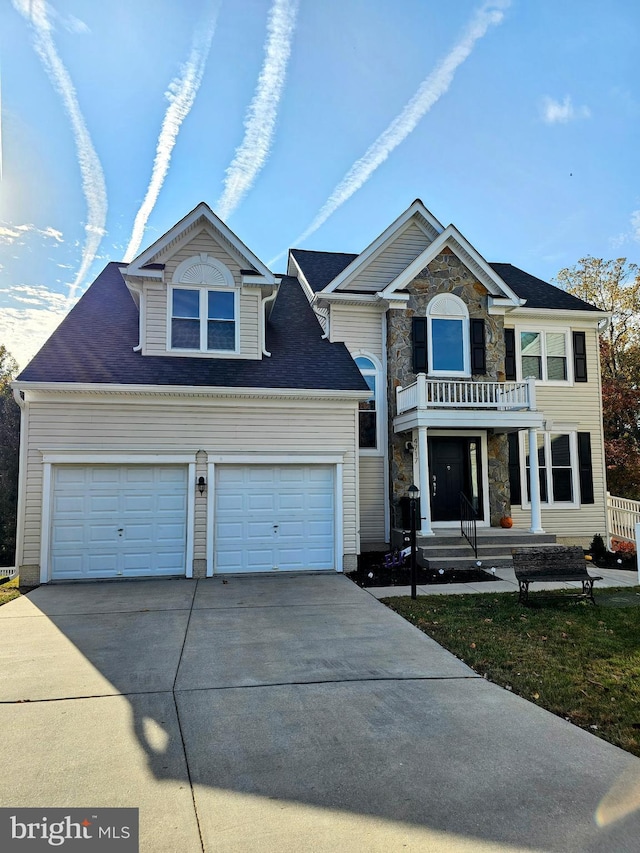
(424, 484)
(534, 476)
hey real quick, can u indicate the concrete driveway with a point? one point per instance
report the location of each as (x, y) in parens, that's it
(288, 713)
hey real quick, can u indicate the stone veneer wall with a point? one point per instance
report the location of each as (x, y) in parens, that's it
(445, 274)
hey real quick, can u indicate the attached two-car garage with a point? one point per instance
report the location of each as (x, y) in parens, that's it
(136, 520)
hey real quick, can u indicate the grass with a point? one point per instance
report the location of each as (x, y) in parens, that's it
(9, 590)
(578, 661)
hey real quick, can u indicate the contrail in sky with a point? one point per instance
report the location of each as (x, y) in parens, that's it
(260, 121)
(181, 96)
(93, 185)
(430, 91)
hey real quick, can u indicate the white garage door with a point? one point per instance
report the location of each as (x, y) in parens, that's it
(274, 518)
(118, 521)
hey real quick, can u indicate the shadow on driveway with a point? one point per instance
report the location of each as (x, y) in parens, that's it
(288, 713)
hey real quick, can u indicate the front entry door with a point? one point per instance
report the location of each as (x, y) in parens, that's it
(454, 467)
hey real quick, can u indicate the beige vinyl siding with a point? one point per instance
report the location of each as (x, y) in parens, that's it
(575, 408)
(372, 499)
(359, 326)
(202, 242)
(382, 270)
(155, 293)
(177, 426)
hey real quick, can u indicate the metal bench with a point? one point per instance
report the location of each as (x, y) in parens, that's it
(553, 563)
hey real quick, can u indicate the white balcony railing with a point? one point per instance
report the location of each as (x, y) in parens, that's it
(622, 516)
(466, 394)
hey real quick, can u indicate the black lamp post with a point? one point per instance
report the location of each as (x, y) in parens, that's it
(414, 494)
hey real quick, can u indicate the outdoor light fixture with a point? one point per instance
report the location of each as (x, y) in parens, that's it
(202, 485)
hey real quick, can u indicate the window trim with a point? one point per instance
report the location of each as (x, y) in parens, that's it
(379, 449)
(203, 291)
(575, 470)
(543, 331)
(463, 317)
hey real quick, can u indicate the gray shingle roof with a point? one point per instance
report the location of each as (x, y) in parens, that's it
(320, 268)
(539, 293)
(95, 342)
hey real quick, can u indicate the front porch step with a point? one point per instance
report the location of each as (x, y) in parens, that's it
(451, 550)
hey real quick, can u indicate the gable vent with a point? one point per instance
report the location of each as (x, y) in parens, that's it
(203, 274)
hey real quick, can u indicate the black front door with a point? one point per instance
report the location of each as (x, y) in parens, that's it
(453, 468)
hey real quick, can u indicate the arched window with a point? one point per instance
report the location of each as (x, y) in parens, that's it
(448, 336)
(203, 304)
(369, 408)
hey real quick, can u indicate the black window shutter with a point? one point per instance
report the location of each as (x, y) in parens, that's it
(514, 468)
(510, 354)
(419, 344)
(478, 349)
(579, 357)
(585, 468)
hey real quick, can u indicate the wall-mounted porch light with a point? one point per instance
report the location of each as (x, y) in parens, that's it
(202, 485)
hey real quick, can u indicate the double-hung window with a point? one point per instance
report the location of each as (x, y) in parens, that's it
(543, 355)
(203, 319)
(558, 468)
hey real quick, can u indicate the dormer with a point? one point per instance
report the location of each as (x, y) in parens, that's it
(201, 293)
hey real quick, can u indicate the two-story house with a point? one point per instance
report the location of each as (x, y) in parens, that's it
(196, 414)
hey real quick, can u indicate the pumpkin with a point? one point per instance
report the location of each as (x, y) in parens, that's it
(506, 522)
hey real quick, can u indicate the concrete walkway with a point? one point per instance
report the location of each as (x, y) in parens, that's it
(288, 713)
(505, 581)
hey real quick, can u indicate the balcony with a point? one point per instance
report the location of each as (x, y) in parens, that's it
(465, 394)
(433, 402)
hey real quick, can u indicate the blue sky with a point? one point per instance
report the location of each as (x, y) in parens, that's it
(316, 119)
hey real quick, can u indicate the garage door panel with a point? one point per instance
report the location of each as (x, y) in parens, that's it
(111, 521)
(138, 503)
(104, 475)
(67, 534)
(258, 560)
(287, 518)
(106, 504)
(142, 475)
(99, 535)
(318, 503)
(260, 503)
(171, 533)
(291, 501)
(172, 503)
(64, 504)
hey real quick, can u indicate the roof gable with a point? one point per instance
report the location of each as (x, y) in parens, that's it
(182, 232)
(416, 214)
(453, 240)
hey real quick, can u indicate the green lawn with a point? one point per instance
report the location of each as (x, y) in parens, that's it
(576, 660)
(8, 590)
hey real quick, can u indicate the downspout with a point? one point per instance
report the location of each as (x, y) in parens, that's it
(139, 291)
(22, 479)
(326, 315)
(265, 302)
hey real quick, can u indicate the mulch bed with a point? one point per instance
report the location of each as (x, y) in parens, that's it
(371, 572)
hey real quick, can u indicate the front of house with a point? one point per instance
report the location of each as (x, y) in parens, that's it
(197, 415)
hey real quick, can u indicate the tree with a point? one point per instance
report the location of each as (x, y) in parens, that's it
(614, 286)
(9, 454)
